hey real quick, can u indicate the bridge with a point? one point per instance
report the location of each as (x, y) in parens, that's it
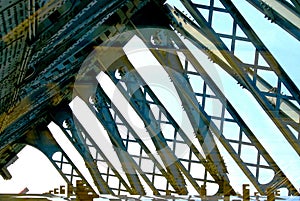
(140, 89)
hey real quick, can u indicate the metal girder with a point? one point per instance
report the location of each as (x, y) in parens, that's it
(131, 138)
(170, 61)
(282, 13)
(42, 139)
(167, 55)
(67, 59)
(130, 167)
(120, 120)
(63, 115)
(135, 85)
(285, 118)
(52, 84)
(218, 122)
(137, 99)
(87, 146)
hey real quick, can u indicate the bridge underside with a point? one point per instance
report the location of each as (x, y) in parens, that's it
(108, 73)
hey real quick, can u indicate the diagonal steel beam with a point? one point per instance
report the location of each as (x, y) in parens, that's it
(136, 98)
(279, 179)
(130, 130)
(170, 61)
(262, 49)
(120, 119)
(167, 56)
(207, 36)
(170, 160)
(86, 145)
(64, 115)
(42, 139)
(104, 116)
(100, 158)
(282, 13)
(207, 29)
(124, 62)
(206, 162)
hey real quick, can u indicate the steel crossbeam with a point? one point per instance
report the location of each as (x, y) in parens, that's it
(42, 139)
(208, 38)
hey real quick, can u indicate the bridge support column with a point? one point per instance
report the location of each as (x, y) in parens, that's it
(42, 139)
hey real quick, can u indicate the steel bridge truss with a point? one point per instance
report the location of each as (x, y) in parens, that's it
(156, 165)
